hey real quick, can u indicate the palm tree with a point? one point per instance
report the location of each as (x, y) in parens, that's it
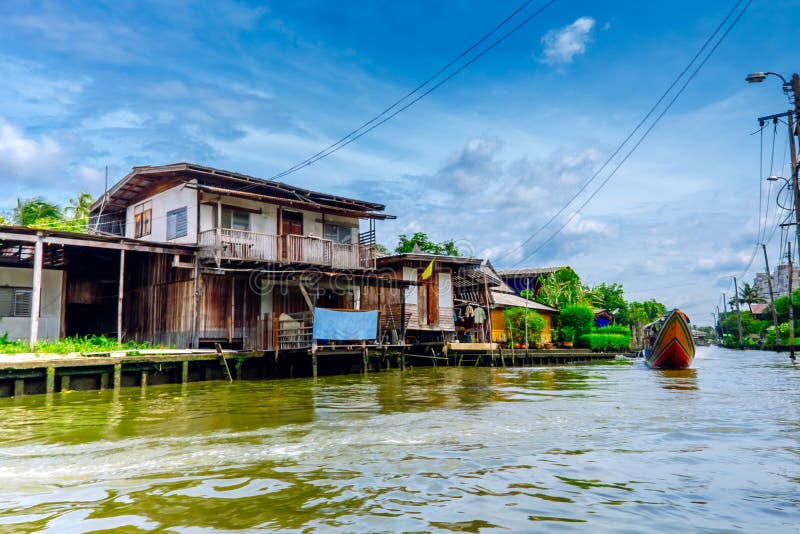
(35, 211)
(79, 207)
(747, 295)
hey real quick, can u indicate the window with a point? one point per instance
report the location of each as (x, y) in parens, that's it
(338, 233)
(142, 219)
(235, 219)
(176, 223)
(15, 302)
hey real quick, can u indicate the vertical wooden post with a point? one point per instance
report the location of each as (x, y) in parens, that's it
(103, 381)
(144, 379)
(117, 376)
(184, 371)
(120, 294)
(314, 358)
(196, 308)
(19, 387)
(365, 357)
(36, 295)
(65, 383)
(50, 380)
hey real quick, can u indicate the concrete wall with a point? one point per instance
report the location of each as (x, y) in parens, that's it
(50, 312)
(177, 197)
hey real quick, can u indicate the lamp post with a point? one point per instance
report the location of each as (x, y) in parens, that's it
(789, 87)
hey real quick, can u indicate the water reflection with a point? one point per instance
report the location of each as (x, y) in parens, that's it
(447, 449)
(682, 379)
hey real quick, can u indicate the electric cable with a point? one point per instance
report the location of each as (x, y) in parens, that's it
(628, 138)
(382, 117)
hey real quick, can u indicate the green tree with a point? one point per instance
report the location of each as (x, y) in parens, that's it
(36, 212)
(750, 325)
(610, 297)
(562, 288)
(749, 295)
(515, 319)
(79, 207)
(645, 312)
(406, 244)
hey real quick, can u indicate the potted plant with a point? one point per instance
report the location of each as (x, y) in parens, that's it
(568, 336)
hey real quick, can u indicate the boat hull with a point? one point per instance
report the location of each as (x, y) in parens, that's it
(674, 345)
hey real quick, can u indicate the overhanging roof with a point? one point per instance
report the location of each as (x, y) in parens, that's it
(147, 180)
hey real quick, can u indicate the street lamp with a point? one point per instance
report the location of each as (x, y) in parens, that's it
(758, 77)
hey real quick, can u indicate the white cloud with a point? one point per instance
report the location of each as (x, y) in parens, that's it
(122, 118)
(563, 44)
(21, 156)
(580, 225)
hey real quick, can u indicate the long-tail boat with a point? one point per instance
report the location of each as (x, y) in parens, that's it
(672, 346)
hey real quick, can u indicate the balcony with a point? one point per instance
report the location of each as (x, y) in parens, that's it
(241, 245)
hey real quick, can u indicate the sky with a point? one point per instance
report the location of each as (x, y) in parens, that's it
(486, 159)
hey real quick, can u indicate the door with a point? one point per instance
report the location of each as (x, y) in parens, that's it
(292, 225)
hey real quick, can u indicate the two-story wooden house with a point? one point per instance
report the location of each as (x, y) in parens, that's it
(266, 253)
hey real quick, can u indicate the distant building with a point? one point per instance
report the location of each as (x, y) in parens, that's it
(781, 285)
(761, 283)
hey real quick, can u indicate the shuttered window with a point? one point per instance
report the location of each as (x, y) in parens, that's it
(15, 302)
(177, 223)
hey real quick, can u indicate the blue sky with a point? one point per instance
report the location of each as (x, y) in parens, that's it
(484, 160)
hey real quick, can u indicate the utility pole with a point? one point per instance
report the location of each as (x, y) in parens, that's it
(719, 324)
(771, 296)
(738, 311)
(793, 150)
(791, 305)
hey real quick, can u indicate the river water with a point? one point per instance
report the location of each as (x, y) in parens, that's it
(598, 447)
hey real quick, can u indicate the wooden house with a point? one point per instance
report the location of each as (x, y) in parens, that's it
(503, 296)
(424, 310)
(264, 253)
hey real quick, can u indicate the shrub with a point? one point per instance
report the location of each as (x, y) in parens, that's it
(568, 333)
(515, 323)
(615, 329)
(604, 342)
(579, 317)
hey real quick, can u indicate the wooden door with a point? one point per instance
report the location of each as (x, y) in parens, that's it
(433, 299)
(291, 225)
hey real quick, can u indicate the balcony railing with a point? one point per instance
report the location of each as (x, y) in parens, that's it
(228, 244)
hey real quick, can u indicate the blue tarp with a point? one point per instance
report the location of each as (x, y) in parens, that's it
(345, 325)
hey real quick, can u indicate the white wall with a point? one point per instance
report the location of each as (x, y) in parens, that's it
(410, 273)
(445, 291)
(50, 311)
(177, 197)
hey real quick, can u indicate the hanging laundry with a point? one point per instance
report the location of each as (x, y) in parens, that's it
(469, 312)
(480, 315)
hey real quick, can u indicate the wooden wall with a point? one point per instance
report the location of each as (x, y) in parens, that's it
(158, 301)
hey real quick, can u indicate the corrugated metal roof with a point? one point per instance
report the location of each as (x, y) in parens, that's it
(508, 300)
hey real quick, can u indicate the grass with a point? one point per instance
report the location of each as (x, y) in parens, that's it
(71, 344)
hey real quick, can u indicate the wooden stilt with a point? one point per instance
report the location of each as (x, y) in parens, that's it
(314, 358)
(120, 294)
(19, 387)
(117, 376)
(65, 383)
(143, 381)
(50, 380)
(184, 371)
(103, 381)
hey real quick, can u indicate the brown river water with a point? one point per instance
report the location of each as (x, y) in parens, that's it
(609, 447)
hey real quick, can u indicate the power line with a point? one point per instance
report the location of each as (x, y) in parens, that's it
(382, 117)
(654, 123)
(628, 138)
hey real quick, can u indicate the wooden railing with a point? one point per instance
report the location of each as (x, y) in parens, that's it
(227, 244)
(295, 333)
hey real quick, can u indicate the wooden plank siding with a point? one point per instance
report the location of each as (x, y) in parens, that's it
(158, 304)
